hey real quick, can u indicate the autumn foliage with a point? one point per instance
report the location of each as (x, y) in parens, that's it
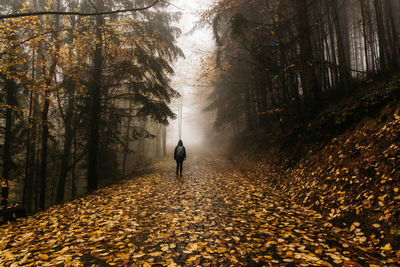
(79, 90)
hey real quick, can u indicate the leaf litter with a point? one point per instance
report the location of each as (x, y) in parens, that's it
(211, 216)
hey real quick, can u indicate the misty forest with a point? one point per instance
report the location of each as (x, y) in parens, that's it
(200, 133)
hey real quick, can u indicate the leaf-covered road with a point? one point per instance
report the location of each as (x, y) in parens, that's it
(211, 216)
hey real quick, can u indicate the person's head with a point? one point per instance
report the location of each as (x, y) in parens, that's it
(180, 143)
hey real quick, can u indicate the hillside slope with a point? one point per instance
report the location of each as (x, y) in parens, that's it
(349, 169)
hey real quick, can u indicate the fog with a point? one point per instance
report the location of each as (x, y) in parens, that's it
(195, 45)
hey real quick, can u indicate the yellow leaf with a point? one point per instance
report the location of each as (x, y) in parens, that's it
(396, 189)
(387, 247)
(318, 251)
(323, 263)
(156, 254)
(43, 257)
(124, 256)
(191, 259)
(3, 244)
(209, 250)
(233, 259)
(221, 249)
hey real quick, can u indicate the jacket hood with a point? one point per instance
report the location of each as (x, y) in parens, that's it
(180, 143)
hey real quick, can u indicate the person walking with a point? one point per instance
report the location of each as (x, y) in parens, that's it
(179, 156)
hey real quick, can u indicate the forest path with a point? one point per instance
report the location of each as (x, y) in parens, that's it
(212, 216)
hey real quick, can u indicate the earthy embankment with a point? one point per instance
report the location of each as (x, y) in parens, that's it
(351, 176)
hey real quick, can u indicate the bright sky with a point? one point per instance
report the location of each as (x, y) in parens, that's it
(195, 46)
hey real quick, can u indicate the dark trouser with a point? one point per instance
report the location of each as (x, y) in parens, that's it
(179, 164)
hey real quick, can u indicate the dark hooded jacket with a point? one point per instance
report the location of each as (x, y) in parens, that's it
(180, 143)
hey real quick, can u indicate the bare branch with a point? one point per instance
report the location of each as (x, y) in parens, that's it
(73, 13)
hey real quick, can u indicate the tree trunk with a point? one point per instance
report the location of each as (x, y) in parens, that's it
(10, 89)
(127, 142)
(381, 35)
(364, 22)
(73, 174)
(158, 139)
(249, 119)
(95, 109)
(164, 140)
(36, 147)
(30, 151)
(308, 77)
(392, 35)
(333, 61)
(45, 112)
(344, 23)
(68, 139)
(43, 166)
(341, 46)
